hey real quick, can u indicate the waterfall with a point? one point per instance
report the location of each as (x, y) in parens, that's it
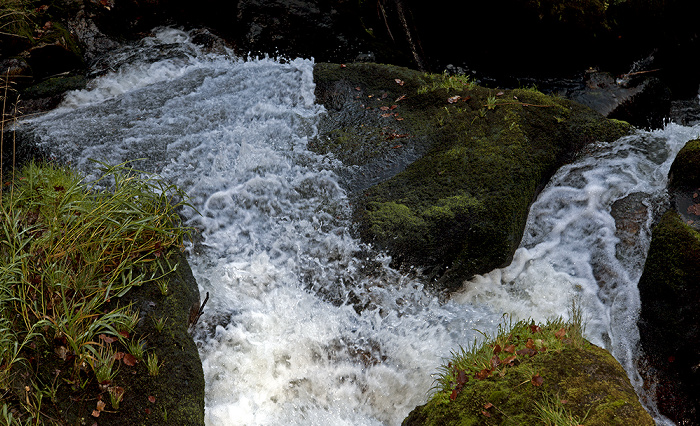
(305, 324)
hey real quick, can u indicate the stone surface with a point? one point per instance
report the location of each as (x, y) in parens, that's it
(482, 155)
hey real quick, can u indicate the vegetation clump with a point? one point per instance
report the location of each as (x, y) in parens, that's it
(532, 374)
(69, 252)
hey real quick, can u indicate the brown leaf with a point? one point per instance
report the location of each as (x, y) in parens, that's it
(147, 411)
(534, 328)
(384, 108)
(694, 209)
(393, 107)
(124, 334)
(527, 351)
(488, 405)
(495, 361)
(453, 99)
(497, 349)
(537, 380)
(483, 374)
(151, 399)
(399, 118)
(358, 88)
(462, 377)
(510, 349)
(530, 343)
(108, 339)
(95, 413)
(130, 360)
(560, 334)
(400, 98)
(388, 114)
(454, 394)
(486, 413)
(509, 360)
(399, 81)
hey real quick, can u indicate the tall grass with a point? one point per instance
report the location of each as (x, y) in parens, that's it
(67, 248)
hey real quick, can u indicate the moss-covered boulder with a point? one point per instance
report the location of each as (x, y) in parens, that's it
(669, 289)
(530, 375)
(481, 155)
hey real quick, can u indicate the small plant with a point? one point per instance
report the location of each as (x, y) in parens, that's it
(445, 81)
(136, 348)
(116, 394)
(152, 364)
(102, 365)
(162, 286)
(552, 412)
(159, 323)
(491, 102)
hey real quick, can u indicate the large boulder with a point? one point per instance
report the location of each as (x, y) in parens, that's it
(669, 323)
(532, 375)
(481, 156)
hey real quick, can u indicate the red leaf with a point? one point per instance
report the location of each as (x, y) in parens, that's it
(497, 349)
(534, 328)
(147, 411)
(152, 399)
(130, 360)
(537, 380)
(454, 394)
(124, 334)
(393, 107)
(343, 66)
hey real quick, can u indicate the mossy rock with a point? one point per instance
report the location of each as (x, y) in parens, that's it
(685, 170)
(585, 383)
(669, 323)
(456, 203)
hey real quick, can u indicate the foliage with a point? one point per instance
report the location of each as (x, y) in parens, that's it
(445, 81)
(16, 18)
(67, 248)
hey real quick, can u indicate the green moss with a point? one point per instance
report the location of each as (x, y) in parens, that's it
(492, 160)
(685, 170)
(577, 378)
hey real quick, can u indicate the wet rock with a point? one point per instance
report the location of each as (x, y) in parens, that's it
(642, 102)
(669, 322)
(460, 208)
(588, 383)
(669, 319)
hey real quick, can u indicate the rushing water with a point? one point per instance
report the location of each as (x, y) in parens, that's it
(305, 325)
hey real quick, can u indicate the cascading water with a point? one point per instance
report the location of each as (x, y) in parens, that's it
(303, 325)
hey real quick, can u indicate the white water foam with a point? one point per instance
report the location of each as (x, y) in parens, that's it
(303, 326)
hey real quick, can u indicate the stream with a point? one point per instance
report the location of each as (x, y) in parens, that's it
(282, 339)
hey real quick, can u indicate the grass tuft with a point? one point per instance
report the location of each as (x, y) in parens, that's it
(67, 248)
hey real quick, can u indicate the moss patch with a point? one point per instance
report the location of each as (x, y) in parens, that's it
(685, 170)
(481, 155)
(527, 371)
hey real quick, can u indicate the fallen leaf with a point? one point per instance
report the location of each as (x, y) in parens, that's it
(695, 195)
(499, 94)
(95, 413)
(397, 118)
(454, 394)
(400, 98)
(100, 405)
(124, 334)
(453, 99)
(495, 361)
(527, 351)
(694, 209)
(530, 343)
(510, 349)
(560, 334)
(152, 399)
(384, 108)
(393, 107)
(343, 66)
(388, 114)
(108, 339)
(462, 377)
(483, 374)
(147, 411)
(497, 349)
(358, 88)
(399, 81)
(130, 360)
(534, 328)
(488, 405)
(509, 360)
(537, 380)
(486, 413)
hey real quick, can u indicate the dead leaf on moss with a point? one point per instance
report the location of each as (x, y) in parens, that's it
(560, 334)
(537, 380)
(486, 413)
(694, 209)
(399, 81)
(488, 405)
(534, 328)
(510, 349)
(130, 360)
(151, 399)
(497, 349)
